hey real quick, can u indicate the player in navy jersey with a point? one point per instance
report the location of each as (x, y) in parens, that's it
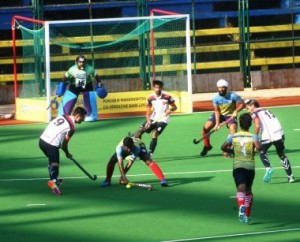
(243, 143)
(227, 105)
(267, 124)
(132, 148)
(159, 107)
(57, 135)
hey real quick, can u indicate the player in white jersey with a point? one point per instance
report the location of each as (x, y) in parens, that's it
(159, 107)
(57, 135)
(269, 127)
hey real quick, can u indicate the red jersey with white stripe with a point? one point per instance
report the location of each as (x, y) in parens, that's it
(270, 126)
(60, 128)
(160, 105)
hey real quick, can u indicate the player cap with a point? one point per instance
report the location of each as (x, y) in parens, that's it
(222, 83)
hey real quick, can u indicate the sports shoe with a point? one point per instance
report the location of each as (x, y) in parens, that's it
(205, 150)
(105, 183)
(247, 220)
(268, 175)
(291, 179)
(59, 182)
(54, 187)
(242, 210)
(164, 183)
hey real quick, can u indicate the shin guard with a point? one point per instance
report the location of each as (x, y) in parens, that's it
(90, 105)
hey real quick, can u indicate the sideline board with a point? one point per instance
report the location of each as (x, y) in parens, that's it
(119, 102)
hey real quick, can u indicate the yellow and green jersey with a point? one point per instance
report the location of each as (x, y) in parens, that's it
(243, 146)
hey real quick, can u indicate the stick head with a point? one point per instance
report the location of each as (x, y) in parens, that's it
(150, 188)
(196, 141)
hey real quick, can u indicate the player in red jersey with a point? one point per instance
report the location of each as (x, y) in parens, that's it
(159, 107)
(57, 135)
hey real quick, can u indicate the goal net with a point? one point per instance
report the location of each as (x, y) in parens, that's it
(127, 53)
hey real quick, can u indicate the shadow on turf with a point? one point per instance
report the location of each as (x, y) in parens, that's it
(182, 181)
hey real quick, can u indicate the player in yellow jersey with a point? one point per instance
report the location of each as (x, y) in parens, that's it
(243, 143)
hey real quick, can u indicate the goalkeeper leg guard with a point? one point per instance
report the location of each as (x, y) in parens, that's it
(90, 105)
(67, 104)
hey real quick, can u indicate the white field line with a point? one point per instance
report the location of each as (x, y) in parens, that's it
(234, 235)
(136, 175)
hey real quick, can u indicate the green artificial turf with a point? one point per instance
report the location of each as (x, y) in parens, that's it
(199, 204)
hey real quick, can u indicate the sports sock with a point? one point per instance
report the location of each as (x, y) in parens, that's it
(240, 198)
(264, 159)
(53, 171)
(206, 139)
(153, 144)
(248, 203)
(157, 171)
(286, 165)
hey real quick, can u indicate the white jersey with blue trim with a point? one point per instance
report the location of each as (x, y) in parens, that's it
(270, 126)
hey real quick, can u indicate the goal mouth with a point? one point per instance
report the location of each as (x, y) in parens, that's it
(127, 54)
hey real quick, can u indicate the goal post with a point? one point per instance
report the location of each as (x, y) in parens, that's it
(120, 50)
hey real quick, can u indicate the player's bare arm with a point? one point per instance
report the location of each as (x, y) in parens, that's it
(64, 147)
(122, 171)
(240, 106)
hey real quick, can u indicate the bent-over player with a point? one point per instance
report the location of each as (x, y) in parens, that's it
(132, 147)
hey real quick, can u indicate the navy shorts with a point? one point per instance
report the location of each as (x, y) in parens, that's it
(158, 126)
(223, 118)
(50, 151)
(243, 176)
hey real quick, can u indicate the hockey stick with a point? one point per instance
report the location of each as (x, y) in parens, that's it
(53, 101)
(159, 118)
(84, 170)
(141, 185)
(195, 141)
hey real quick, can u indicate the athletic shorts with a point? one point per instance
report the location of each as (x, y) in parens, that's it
(78, 90)
(223, 118)
(279, 146)
(158, 126)
(243, 176)
(50, 151)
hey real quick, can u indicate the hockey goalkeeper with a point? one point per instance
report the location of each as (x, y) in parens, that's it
(80, 78)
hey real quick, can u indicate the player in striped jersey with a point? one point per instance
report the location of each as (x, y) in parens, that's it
(243, 143)
(57, 135)
(159, 107)
(267, 124)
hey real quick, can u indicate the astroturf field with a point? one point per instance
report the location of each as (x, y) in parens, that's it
(198, 205)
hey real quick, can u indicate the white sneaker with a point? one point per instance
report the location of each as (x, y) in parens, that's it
(291, 179)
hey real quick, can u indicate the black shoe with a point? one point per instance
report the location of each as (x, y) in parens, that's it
(205, 150)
